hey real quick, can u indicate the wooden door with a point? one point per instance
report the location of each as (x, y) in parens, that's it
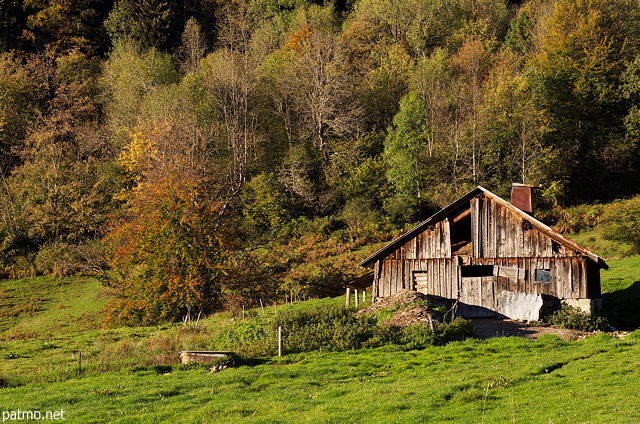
(477, 297)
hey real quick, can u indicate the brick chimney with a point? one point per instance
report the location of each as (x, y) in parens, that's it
(521, 196)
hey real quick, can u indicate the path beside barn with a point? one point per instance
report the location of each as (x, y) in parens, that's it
(494, 327)
(412, 309)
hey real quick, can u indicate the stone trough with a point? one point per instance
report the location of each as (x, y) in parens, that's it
(202, 356)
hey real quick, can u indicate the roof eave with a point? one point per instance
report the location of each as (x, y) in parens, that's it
(394, 244)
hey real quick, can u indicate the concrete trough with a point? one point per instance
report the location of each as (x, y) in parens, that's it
(202, 356)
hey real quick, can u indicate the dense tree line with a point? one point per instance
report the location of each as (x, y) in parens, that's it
(178, 148)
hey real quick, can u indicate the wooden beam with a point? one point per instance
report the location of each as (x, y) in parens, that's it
(462, 216)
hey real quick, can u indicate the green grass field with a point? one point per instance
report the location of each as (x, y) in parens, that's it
(499, 380)
(39, 307)
(621, 292)
(54, 356)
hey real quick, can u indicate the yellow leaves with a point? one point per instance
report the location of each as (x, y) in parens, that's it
(583, 48)
(140, 156)
(136, 156)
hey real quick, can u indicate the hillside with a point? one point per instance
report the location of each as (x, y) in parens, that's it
(54, 357)
(505, 379)
(199, 155)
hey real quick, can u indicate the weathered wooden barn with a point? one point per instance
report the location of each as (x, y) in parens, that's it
(491, 257)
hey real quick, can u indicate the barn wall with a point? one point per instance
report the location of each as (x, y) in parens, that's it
(434, 242)
(441, 277)
(438, 277)
(499, 237)
(570, 277)
(500, 232)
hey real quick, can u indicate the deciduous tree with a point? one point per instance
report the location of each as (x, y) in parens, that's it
(576, 78)
(169, 250)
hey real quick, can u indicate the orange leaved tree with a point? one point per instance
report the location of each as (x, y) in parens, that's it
(167, 247)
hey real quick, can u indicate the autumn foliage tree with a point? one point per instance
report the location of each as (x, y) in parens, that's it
(169, 253)
(167, 243)
(286, 124)
(576, 80)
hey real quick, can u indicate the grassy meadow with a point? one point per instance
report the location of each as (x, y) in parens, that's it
(498, 380)
(55, 356)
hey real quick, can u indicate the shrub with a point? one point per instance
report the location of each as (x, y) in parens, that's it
(621, 222)
(384, 335)
(333, 328)
(578, 218)
(574, 319)
(228, 361)
(250, 338)
(456, 330)
(324, 329)
(419, 336)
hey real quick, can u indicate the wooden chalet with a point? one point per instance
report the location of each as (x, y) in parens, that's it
(490, 258)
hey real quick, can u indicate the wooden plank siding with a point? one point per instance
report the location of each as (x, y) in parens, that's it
(439, 277)
(568, 276)
(512, 242)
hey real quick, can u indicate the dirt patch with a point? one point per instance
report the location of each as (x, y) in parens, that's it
(411, 315)
(400, 299)
(494, 327)
(412, 309)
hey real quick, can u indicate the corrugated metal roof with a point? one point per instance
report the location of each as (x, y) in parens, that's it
(462, 201)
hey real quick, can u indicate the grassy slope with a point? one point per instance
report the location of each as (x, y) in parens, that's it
(45, 323)
(621, 282)
(46, 305)
(593, 239)
(500, 380)
(621, 292)
(48, 343)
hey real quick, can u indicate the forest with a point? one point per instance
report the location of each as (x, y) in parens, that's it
(204, 154)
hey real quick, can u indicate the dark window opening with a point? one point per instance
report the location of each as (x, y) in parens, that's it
(542, 276)
(461, 236)
(477, 271)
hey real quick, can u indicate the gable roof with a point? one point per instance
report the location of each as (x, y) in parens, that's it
(461, 203)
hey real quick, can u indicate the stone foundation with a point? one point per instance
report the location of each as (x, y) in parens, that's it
(589, 306)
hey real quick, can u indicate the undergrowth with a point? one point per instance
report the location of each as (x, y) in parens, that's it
(333, 328)
(574, 319)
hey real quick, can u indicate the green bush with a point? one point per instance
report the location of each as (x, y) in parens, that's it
(621, 222)
(419, 336)
(333, 328)
(456, 330)
(385, 335)
(324, 329)
(574, 319)
(228, 361)
(249, 338)
(580, 217)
